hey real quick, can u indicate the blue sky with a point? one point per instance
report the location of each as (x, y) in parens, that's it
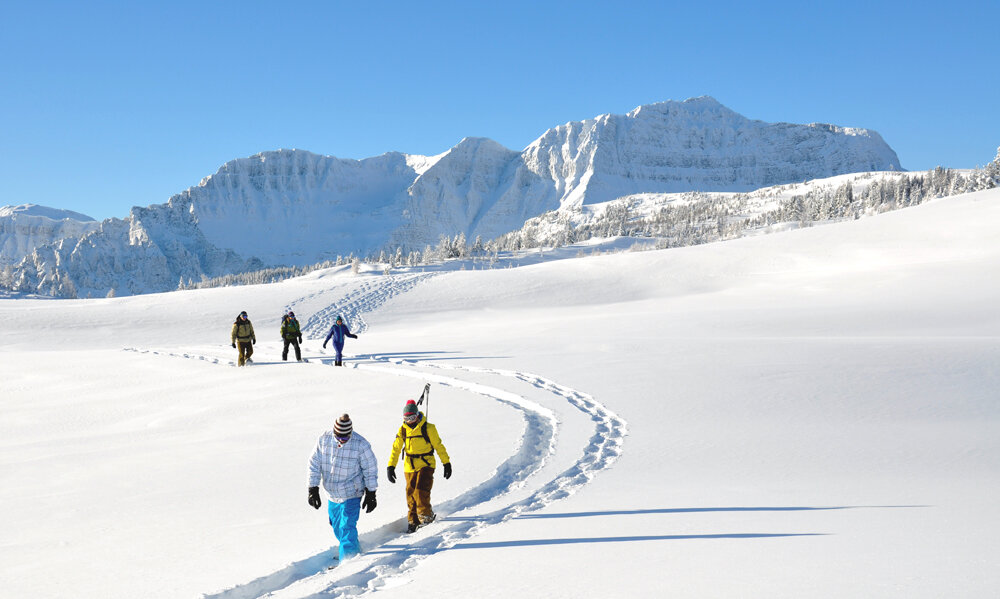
(109, 105)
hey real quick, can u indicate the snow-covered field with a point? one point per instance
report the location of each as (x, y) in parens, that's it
(808, 414)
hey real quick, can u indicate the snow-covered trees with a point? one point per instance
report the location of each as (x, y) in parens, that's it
(679, 220)
(992, 171)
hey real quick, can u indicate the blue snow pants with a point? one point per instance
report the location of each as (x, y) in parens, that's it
(344, 520)
(339, 347)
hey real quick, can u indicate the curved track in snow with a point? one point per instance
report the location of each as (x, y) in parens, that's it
(389, 553)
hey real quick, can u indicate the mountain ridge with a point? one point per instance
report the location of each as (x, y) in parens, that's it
(294, 207)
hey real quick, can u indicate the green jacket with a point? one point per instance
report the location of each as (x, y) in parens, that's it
(290, 328)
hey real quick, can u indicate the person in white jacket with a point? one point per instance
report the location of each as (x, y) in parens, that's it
(344, 462)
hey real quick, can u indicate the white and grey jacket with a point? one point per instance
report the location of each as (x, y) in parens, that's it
(346, 470)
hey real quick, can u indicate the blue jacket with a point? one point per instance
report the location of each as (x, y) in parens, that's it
(338, 332)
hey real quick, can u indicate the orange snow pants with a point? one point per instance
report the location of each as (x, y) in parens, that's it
(418, 495)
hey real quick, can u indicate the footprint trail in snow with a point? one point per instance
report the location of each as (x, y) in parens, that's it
(390, 554)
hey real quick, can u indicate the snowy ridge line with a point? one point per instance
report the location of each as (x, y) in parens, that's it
(367, 297)
(536, 445)
(603, 448)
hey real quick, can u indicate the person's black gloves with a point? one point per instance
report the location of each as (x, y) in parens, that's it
(369, 502)
(300, 338)
(324, 345)
(390, 473)
(314, 497)
(447, 470)
(254, 342)
(234, 346)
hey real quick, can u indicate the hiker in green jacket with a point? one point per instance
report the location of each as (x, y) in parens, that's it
(291, 334)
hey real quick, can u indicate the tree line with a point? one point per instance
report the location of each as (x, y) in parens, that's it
(689, 219)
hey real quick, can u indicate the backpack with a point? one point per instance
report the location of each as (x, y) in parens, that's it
(423, 433)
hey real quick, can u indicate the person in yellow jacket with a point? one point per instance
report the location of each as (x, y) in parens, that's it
(417, 440)
(244, 336)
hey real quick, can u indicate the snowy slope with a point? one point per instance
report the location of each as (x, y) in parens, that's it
(810, 414)
(292, 207)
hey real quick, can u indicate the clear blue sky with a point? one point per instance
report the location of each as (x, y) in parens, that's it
(108, 105)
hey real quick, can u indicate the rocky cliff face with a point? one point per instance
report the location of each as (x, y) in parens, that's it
(25, 227)
(696, 145)
(292, 207)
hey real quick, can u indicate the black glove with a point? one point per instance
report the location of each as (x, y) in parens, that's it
(234, 346)
(314, 497)
(369, 502)
(324, 345)
(300, 338)
(390, 472)
(254, 342)
(447, 470)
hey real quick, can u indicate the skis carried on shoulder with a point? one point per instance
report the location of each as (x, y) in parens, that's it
(425, 396)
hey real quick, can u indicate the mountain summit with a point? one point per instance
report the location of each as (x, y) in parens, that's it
(292, 207)
(696, 145)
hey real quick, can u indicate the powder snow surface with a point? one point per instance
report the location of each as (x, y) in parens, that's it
(805, 414)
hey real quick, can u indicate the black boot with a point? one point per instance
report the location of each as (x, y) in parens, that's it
(411, 527)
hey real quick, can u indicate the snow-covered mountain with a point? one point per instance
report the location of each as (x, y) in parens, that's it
(25, 227)
(292, 207)
(696, 145)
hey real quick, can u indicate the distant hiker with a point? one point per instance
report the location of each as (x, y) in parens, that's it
(345, 463)
(417, 439)
(338, 332)
(291, 334)
(243, 335)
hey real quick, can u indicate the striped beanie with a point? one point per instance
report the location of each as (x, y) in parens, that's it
(343, 427)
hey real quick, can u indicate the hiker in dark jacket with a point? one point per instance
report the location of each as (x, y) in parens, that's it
(291, 334)
(338, 332)
(243, 335)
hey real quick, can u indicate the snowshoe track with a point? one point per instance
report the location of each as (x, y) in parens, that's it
(384, 563)
(367, 297)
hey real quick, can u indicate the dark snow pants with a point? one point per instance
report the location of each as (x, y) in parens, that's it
(298, 352)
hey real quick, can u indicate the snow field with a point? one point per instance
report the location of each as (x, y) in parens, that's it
(806, 414)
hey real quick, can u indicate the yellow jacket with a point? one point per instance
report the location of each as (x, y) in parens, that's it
(418, 450)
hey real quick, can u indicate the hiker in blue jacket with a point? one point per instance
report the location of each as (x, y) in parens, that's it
(338, 332)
